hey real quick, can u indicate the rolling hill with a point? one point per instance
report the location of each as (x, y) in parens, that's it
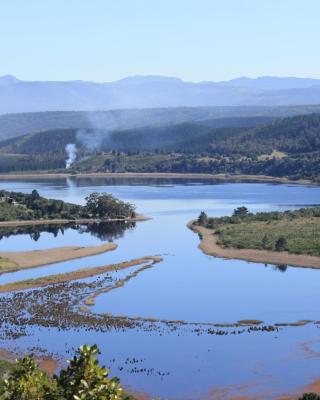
(287, 147)
(295, 135)
(14, 125)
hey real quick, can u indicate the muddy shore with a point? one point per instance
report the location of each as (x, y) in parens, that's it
(75, 275)
(157, 175)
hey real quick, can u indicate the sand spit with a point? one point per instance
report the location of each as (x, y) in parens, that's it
(14, 261)
(74, 275)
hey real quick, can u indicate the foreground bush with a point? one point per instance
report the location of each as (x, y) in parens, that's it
(310, 396)
(83, 379)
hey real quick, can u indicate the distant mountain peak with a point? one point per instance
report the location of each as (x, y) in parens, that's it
(6, 80)
(148, 78)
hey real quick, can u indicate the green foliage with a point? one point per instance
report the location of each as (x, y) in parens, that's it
(293, 135)
(83, 379)
(27, 382)
(309, 396)
(5, 368)
(104, 205)
(22, 206)
(295, 231)
(202, 219)
(226, 146)
(240, 212)
(280, 244)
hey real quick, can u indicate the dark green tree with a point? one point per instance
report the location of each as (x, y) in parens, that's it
(202, 219)
(310, 396)
(281, 244)
(265, 242)
(240, 212)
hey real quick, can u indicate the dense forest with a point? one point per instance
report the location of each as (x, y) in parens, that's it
(287, 147)
(295, 135)
(16, 206)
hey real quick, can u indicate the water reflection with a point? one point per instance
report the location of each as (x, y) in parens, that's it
(104, 231)
(281, 267)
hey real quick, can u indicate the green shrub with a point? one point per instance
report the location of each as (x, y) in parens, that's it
(83, 379)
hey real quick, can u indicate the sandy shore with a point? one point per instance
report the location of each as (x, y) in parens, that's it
(208, 245)
(139, 217)
(74, 275)
(14, 261)
(150, 175)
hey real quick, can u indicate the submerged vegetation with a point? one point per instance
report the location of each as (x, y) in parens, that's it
(15, 206)
(295, 231)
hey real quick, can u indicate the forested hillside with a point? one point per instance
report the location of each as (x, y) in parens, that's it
(287, 147)
(185, 137)
(295, 135)
(13, 125)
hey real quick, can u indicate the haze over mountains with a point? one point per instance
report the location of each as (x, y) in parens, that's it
(17, 96)
(13, 125)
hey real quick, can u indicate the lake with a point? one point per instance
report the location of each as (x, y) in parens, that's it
(187, 361)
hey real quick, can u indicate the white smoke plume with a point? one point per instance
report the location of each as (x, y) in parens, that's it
(71, 150)
(92, 141)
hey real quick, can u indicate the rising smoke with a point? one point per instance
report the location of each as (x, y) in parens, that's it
(91, 141)
(71, 150)
(100, 126)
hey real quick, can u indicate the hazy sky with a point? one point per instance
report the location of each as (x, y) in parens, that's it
(105, 40)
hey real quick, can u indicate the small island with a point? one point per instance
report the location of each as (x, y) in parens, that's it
(18, 207)
(31, 209)
(280, 238)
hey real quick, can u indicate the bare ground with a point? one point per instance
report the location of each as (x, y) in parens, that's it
(14, 261)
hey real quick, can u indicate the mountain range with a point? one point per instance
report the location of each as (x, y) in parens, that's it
(18, 96)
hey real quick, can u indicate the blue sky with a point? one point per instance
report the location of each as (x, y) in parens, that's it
(105, 40)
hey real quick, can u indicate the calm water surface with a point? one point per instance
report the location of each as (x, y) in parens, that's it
(190, 286)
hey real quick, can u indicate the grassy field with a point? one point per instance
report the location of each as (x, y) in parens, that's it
(5, 264)
(302, 235)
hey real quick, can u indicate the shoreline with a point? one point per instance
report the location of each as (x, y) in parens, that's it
(15, 261)
(208, 245)
(153, 175)
(57, 221)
